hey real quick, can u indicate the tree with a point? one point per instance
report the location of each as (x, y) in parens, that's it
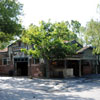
(92, 35)
(75, 25)
(10, 10)
(49, 41)
(76, 28)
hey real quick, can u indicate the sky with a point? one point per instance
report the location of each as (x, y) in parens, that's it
(58, 10)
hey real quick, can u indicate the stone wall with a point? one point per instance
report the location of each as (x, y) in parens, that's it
(35, 71)
(6, 69)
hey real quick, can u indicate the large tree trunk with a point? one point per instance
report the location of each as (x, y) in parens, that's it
(47, 67)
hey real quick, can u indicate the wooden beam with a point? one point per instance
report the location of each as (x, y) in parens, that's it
(73, 58)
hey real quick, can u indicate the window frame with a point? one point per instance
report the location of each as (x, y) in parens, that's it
(3, 61)
(34, 61)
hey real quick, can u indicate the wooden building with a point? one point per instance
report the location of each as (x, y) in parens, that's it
(16, 63)
(83, 63)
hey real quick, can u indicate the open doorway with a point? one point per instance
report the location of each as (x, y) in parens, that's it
(74, 64)
(22, 68)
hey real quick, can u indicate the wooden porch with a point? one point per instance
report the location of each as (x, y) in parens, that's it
(72, 67)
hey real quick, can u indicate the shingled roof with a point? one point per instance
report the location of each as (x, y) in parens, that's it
(74, 42)
(84, 48)
(4, 50)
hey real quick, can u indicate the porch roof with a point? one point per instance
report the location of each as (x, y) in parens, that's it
(4, 50)
(83, 49)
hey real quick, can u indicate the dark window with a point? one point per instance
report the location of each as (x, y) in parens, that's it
(22, 59)
(35, 61)
(5, 61)
(26, 59)
(19, 44)
(18, 59)
(15, 59)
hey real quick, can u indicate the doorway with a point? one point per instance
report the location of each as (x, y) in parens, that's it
(21, 66)
(74, 64)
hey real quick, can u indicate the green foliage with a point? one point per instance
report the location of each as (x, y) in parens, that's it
(49, 40)
(75, 26)
(92, 35)
(9, 19)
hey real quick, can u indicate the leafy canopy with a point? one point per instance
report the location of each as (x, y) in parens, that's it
(92, 35)
(9, 19)
(49, 40)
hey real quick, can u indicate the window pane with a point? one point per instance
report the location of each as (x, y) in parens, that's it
(36, 61)
(5, 61)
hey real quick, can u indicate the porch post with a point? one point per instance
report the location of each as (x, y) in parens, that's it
(30, 68)
(65, 64)
(15, 69)
(65, 67)
(96, 68)
(80, 74)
